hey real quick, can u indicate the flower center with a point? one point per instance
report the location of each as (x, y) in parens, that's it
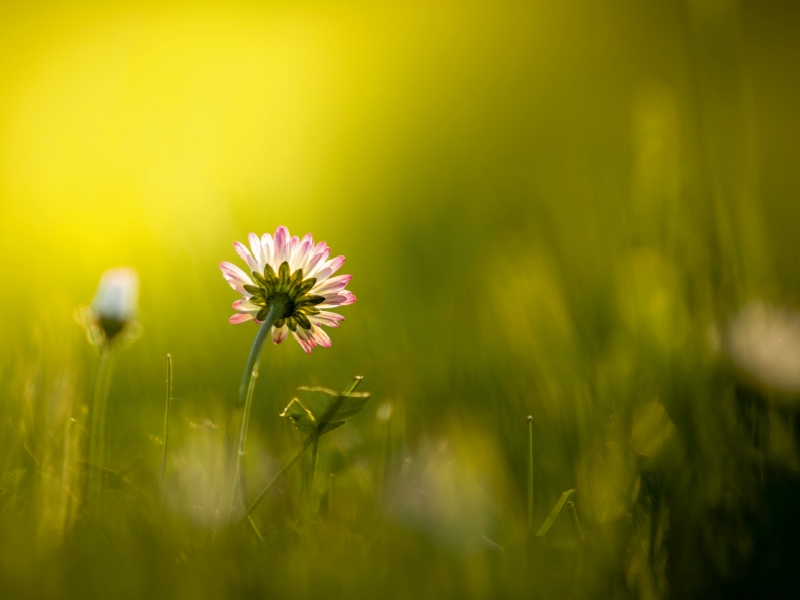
(288, 294)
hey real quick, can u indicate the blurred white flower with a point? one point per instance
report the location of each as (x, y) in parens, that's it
(295, 273)
(763, 343)
(114, 308)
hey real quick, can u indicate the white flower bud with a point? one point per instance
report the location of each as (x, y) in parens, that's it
(116, 301)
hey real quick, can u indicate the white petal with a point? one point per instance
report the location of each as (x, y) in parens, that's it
(305, 339)
(242, 251)
(342, 298)
(334, 284)
(235, 277)
(269, 249)
(258, 251)
(240, 318)
(318, 257)
(281, 245)
(303, 253)
(326, 318)
(279, 334)
(320, 337)
(294, 244)
(329, 268)
(245, 306)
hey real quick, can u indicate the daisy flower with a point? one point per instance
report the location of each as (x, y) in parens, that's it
(292, 279)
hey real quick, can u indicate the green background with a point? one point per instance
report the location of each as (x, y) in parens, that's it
(548, 209)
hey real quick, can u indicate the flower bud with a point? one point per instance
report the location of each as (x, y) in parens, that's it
(115, 303)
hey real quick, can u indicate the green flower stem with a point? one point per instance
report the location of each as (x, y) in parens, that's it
(246, 392)
(166, 429)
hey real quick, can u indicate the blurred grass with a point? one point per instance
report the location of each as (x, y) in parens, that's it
(546, 210)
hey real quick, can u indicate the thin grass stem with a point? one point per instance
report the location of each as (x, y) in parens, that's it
(530, 474)
(166, 429)
(274, 480)
(576, 522)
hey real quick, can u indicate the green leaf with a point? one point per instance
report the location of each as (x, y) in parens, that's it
(299, 416)
(322, 409)
(548, 522)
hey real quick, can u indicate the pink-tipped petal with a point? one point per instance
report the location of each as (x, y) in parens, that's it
(303, 253)
(342, 298)
(326, 318)
(236, 285)
(245, 306)
(258, 251)
(279, 334)
(329, 268)
(235, 277)
(320, 337)
(268, 247)
(303, 344)
(318, 257)
(242, 251)
(281, 245)
(334, 284)
(240, 318)
(294, 244)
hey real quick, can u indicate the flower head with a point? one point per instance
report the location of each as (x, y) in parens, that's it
(293, 276)
(114, 307)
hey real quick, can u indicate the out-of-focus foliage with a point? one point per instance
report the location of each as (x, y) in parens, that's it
(549, 209)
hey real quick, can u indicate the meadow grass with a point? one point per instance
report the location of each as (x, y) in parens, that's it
(552, 213)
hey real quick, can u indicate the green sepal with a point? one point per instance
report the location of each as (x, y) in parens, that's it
(257, 300)
(291, 323)
(279, 323)
(295, 280)
(269, 274)
(283, 274)
(302, 320)
(306, 285)
(310, 300)
(259, 278)
(262, 314)
(254, 289)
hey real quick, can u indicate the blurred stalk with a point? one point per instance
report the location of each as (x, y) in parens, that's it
(166, 429)
(97, 448)
(331, 485)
